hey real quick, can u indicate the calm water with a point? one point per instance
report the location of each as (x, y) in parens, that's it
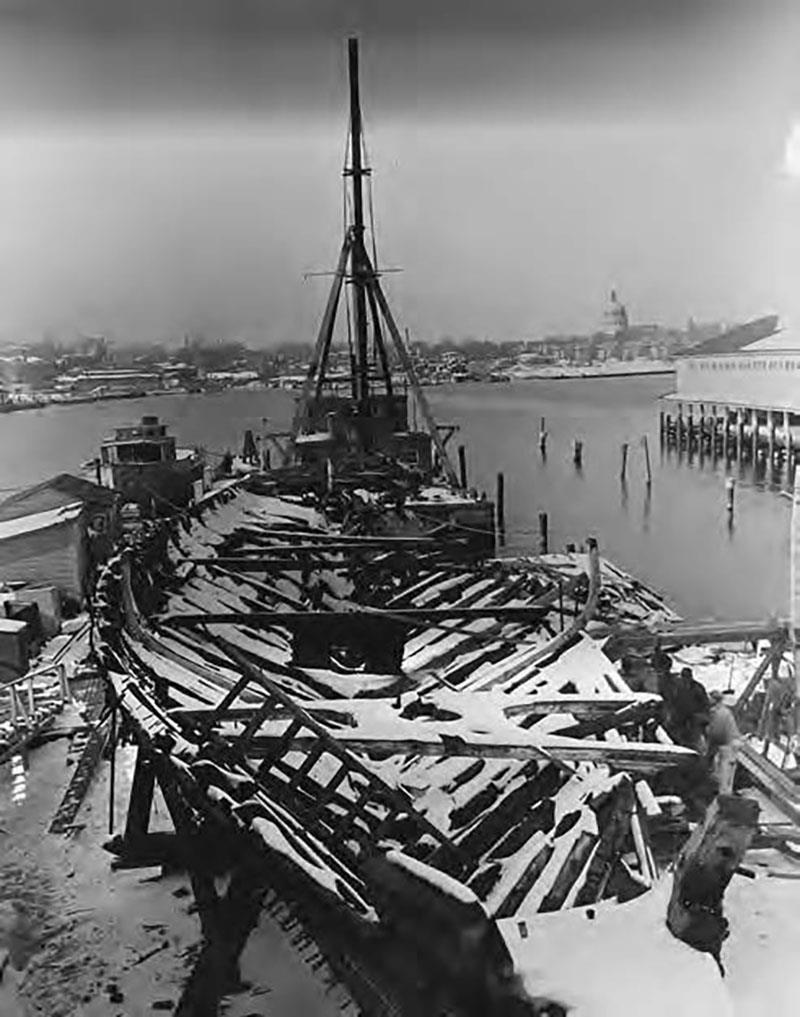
(678, 539)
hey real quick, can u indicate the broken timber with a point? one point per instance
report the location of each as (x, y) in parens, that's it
(705, 867)
(776, 785)
(690, 634)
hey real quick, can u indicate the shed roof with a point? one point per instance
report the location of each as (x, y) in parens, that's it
(59, 491)
(38, 521)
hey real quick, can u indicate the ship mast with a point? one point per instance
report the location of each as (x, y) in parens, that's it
(355, 267)
(358, 266)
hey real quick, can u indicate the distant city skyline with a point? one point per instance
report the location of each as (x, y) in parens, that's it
(169, 168)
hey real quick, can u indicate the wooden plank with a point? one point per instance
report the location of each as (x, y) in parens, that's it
(415, 617)
(691, 634)
(517, 894)
(775, 651)
(609, 848)
(638, 757)
(579, 706)
(571, 868)
(349, 709)
(779, 789)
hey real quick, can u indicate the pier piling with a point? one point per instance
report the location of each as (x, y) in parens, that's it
(648, 470)
(462, 466)
(730, 494)
(624, 465)
(577, 453)
(771, 439)
(543, 533)
(500, 503)
(543, 437)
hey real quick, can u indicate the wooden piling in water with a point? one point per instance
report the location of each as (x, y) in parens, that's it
(648, 469)
(730, 494)
(500, 508)
(543, 533)
(577, 453)
(624, 465)
(543, 436)
(462, 467)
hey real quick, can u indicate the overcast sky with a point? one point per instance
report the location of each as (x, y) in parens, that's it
(168, 165)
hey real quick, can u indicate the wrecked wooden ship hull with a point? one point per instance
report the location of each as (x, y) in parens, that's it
(477, 753)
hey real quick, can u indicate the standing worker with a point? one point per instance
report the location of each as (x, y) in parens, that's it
(723, 738)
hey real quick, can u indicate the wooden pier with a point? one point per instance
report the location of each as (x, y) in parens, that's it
(731, 432)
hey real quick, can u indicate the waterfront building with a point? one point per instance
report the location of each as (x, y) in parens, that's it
(46, 548)
(111, 381)
(55, 532)
(722, 388)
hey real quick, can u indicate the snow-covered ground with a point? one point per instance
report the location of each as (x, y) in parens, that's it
(87, 941)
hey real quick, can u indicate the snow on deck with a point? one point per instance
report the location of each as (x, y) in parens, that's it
(529, 830)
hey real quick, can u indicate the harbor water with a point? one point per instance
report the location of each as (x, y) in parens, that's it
(676, 535)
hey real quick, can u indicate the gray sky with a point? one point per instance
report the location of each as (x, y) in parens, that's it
(167, 165)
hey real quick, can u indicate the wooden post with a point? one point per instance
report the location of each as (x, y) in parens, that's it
(662, 425)
(501, 510)
(543, 437)
(624, 466)
(577, 453)
(754, 435)
(725, 422)
(770, 438)
(739, 434)
(543, 540)
(730, 492)
(705, 867)
(249, 452)
(714, 433)
(113, 768)
(462, 467)
(647, 467)
(680, 425)
(141, 798)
